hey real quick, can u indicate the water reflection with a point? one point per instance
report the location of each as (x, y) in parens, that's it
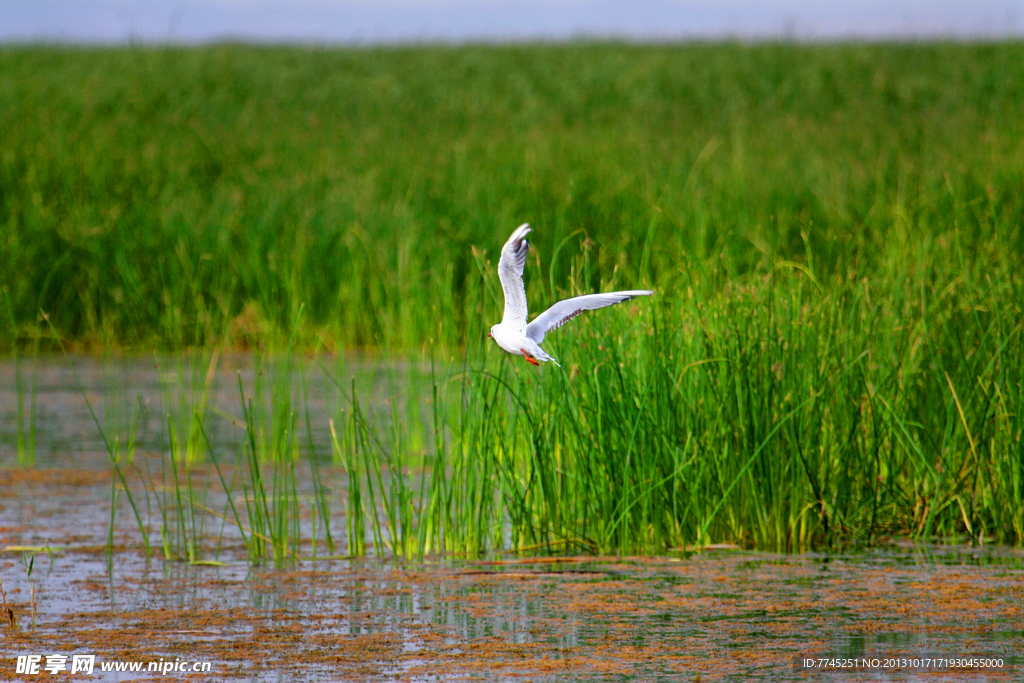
(721, 614)
(71, 395)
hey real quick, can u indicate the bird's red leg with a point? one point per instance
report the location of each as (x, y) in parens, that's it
(532, 360)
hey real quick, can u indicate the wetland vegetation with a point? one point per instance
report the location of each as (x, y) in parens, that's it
(835, 234)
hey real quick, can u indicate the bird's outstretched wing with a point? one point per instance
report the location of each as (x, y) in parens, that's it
(510, 272)
(566, 310)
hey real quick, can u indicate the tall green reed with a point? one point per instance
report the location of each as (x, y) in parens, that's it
(26, 390)
(258, 489)
(118, 429)
(789, 410)
(269, 458)
(786, 412)
(186, 383)
(189, 191)
(382, 451)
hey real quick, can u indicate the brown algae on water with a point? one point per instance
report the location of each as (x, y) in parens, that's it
(713, 615)
(719, 615)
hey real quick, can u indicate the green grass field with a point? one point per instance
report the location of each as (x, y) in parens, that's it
(835, 234)
(167, 196)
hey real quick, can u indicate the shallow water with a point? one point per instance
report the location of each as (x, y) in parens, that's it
(719, 615)
(118, 389)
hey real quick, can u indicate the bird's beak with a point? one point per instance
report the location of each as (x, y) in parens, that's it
(490, 335)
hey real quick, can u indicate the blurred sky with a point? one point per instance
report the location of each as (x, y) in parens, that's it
(376, 21)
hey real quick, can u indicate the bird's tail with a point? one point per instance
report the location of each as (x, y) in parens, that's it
(543, 355)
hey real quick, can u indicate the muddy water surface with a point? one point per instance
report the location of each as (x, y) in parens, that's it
(719, 615)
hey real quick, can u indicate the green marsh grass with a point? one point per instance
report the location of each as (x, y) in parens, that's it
(186, 382)
(26, 388)
(835, 234)
(786, 413)
(258, 486)
(165, 196)
(118, 428)
(748, 421)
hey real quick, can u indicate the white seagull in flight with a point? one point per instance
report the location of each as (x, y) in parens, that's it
(512, 333)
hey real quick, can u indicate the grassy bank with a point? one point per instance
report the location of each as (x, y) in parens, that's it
(165, 197)
(835, 234)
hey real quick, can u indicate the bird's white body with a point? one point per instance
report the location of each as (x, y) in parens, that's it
(513, 334)
(516, 342)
